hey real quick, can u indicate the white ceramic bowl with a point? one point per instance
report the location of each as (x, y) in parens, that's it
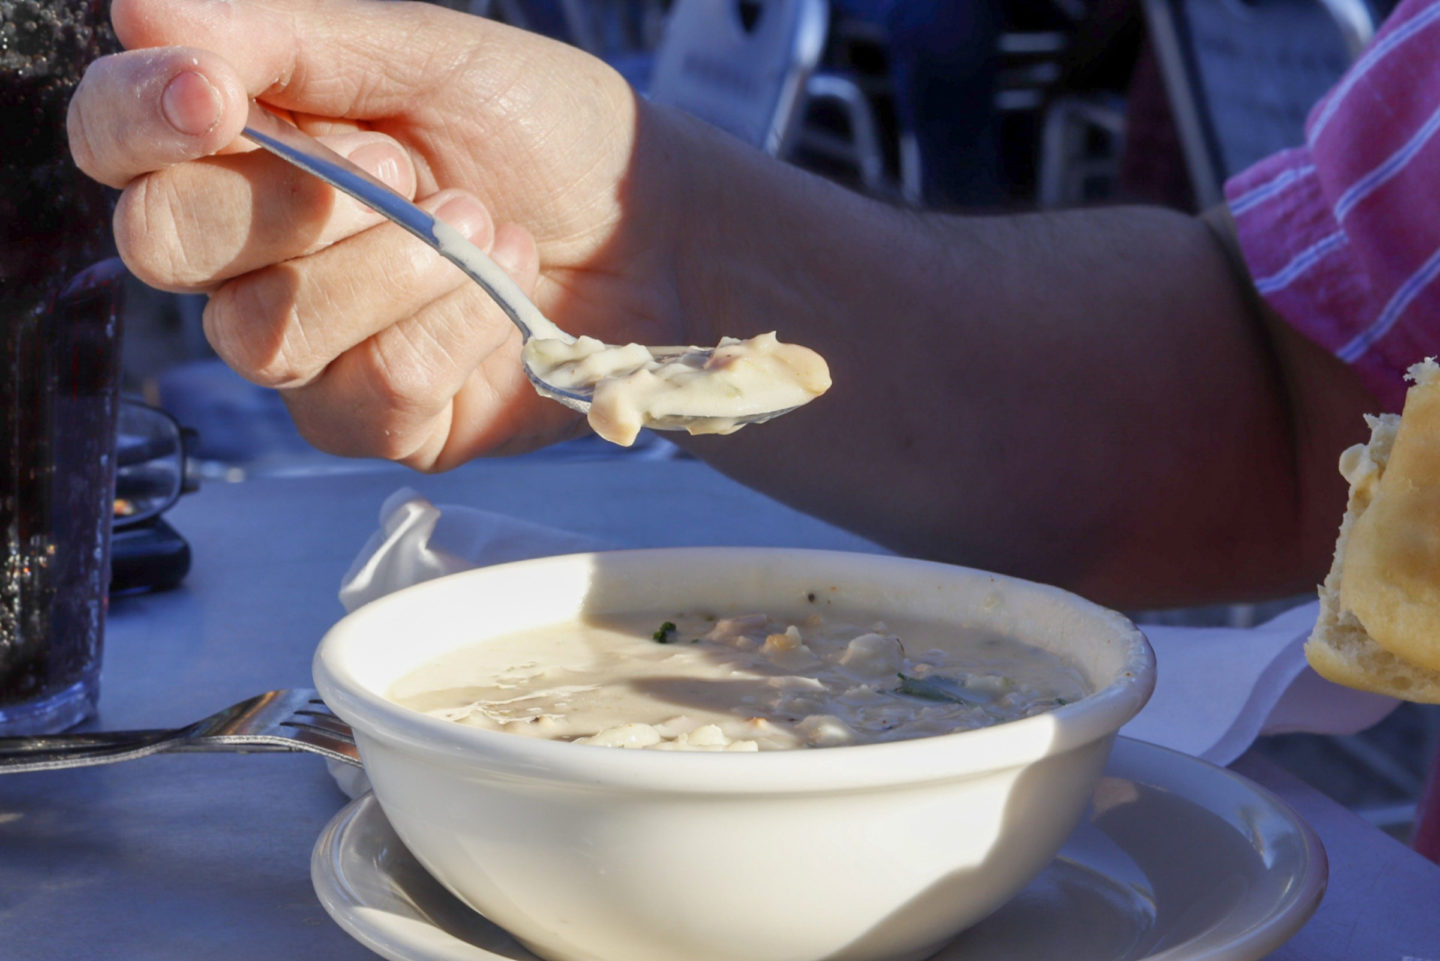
(585, 853)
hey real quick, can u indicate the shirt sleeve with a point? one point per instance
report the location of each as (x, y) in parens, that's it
(1342, 234)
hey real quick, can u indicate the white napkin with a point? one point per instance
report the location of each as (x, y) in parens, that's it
(418, 541)
(1216, 690)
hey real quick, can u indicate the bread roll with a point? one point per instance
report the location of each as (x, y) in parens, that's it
(1379, 623)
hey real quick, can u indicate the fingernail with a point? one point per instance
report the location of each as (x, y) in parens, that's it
(464, 214)
(379, 159)
(509, 253)
(191, 103)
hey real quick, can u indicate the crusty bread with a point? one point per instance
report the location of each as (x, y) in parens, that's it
(1379, 623)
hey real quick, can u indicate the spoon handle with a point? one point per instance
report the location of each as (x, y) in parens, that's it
(290, 143)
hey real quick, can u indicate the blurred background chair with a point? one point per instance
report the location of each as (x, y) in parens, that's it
(765, 70)
(930, 71)
(1082, 137)
(1242, 75)
(1055, 131)
(742, 65)
(894, 98)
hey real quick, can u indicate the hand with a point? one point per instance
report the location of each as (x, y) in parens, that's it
(378, 346)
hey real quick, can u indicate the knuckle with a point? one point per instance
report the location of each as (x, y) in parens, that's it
(89, 129)
(407, 379)
(390, 444)
(253, 325)
(134, 240)
(150, 236)
(78, 134)
(331, 424)
(319, 431)
(402, 397)
(237, 332)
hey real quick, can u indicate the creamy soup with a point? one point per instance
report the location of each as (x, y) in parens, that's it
(739, 382)
(747, 683)
(633, 388)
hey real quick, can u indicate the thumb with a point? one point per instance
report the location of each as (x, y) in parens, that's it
(357, 59)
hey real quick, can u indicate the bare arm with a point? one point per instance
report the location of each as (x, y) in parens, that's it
(1092, 398)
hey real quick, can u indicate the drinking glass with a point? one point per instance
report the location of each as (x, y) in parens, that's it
(59, 372)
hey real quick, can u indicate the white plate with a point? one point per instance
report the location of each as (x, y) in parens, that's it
(1178, 861)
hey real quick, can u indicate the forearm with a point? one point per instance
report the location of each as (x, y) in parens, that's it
(1087, 398)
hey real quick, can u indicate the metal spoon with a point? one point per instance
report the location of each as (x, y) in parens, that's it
(290, 143)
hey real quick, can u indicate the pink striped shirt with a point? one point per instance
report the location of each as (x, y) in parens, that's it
(1342, 235)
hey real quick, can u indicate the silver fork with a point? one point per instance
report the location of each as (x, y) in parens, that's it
(291, 720)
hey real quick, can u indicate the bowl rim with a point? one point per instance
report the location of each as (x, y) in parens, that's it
(379, 721)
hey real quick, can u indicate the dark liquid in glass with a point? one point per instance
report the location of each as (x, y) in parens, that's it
(58, 361)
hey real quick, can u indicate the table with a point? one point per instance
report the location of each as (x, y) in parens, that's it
(196, 857)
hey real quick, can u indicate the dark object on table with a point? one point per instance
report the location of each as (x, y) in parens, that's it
(152, 471)
(151, 557)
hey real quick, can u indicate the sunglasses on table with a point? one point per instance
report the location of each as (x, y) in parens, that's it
(152, 464)
(152, 470)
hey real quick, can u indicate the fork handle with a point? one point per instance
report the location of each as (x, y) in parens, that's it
(60, 751)
(88, 751)
(20, 747)
(15, 758)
